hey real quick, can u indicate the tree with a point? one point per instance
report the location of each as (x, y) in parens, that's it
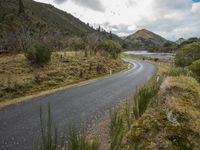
(21, 8)
(187, 54)
(99, 29)
(112, 47)
(195, 68)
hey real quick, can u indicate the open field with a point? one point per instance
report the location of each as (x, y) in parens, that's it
(19, 78)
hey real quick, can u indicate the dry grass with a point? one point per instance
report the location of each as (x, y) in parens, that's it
(174, 123)
(18, 78)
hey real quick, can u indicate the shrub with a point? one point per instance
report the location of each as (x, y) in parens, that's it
(112, 47)
(187, 54)
(38, 55)
(195, 68)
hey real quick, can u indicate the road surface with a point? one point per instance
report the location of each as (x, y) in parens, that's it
(20, 126)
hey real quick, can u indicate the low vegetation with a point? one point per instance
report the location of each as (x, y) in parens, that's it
(164, 114)
(19, 77)
(174, 122)
(38, 55)
(112, 47)
(51, 140)
(195, 68)
(187, 54)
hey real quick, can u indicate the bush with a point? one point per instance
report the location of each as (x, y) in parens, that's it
(112, 47)
(187, 54)
(195, 68)
(38, 55)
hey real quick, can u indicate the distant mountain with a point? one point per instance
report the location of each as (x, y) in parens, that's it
(144, 39)
(180, 41)
(34, 22)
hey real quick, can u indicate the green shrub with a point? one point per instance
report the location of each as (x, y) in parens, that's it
(112, 47)
(195, 68)
(187, 54)
(38, 55)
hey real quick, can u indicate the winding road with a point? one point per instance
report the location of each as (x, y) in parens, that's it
(20, 125)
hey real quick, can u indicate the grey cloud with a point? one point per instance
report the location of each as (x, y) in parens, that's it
(175, 5)
(59, 1)
(91, 4)
(173, 29)
(118, 29)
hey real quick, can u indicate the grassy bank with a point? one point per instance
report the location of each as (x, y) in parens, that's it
(164, 114)
(173, 123)
(19, 78)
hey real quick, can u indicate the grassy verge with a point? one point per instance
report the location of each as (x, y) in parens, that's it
(162, 115)
(20, 79)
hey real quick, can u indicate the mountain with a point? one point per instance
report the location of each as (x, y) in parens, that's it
(22, 26)
(144, 39)
(180, 41)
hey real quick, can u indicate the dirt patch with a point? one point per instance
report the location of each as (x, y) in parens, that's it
(101, 132)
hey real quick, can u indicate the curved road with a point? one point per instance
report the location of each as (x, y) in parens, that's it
(19, 124)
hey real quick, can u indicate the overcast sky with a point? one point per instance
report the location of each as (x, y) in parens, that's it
(170, 18)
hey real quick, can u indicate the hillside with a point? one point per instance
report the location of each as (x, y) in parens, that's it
(144, 39)
(41, 23)
(180, 41)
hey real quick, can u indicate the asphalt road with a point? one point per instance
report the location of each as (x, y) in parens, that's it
(20, 125)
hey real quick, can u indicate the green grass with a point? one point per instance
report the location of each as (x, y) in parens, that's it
(49, 136)
(144, 96)
(117, 130)
(78, 141)
(121, 120)
(50, 139)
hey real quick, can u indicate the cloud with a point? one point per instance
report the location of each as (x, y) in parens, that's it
(59, 1)
(170, 19)
(91, 4)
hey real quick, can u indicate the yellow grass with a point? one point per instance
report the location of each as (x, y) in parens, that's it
(18, 78)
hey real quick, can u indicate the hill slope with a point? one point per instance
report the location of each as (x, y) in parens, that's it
(146, 39)
(41, 23)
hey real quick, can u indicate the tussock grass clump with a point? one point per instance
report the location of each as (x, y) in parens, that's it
(121, 121)
(75, 140)
(117, 130)
(178, 71)
(49, 138)
(78, 141)
(143, 97)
